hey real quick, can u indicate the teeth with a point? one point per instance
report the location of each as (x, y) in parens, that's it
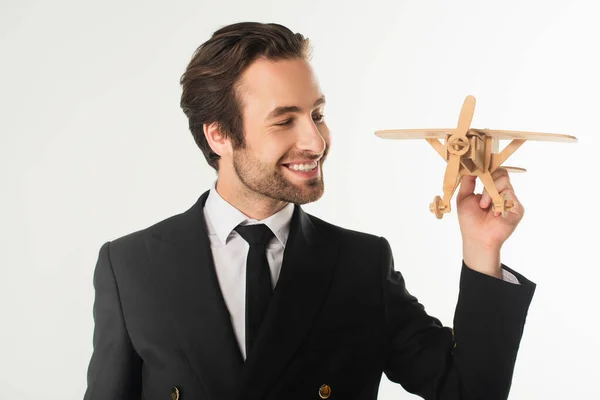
(303, 167)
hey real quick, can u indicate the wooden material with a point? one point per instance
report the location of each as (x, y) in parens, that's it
(470, 151)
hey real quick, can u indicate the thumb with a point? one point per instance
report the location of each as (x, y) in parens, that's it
(467, 187)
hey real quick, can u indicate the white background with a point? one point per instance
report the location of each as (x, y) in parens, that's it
(94, 146)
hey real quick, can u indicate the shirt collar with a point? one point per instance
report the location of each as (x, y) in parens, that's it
(223, 218)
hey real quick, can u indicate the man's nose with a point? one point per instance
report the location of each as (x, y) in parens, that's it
(311, 139)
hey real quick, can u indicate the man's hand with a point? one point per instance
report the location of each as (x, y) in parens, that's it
(483, 230)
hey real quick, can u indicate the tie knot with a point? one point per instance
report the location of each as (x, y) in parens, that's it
(255, 234)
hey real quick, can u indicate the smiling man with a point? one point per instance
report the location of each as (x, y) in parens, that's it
(279, 158)
(246, 296)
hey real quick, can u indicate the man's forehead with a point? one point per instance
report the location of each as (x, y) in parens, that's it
(267, 85)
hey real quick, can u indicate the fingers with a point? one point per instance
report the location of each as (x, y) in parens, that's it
(502, 183)
(467, 187)
(517, 207)
(500, 172)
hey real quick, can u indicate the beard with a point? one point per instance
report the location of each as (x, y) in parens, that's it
(270, 181)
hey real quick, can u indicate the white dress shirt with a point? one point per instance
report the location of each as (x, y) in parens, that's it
(230, 251)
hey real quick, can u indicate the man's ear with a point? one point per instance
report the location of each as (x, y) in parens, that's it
(215, 138)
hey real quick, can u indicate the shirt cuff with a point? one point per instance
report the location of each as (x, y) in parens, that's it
(509, 277)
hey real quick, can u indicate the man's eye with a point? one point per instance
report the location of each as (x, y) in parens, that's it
(286, 122)
(318, 118)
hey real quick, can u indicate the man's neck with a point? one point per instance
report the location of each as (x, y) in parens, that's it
(253, 205)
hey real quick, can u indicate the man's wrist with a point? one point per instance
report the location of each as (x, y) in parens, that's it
(482, 259)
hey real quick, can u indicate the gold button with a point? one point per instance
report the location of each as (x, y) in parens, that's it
(175, 393)
(324, 391)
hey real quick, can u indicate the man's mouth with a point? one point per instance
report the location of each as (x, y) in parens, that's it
(302, 167)
(305, 170)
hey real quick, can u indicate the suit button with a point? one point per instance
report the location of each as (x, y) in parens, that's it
(175, 393)
(324, 391)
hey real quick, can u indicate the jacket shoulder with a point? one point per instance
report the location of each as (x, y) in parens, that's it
(137, 239)
(345, 235)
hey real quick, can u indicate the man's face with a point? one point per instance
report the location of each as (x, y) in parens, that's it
(284, 131)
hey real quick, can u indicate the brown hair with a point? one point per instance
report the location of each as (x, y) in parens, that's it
(211, 79)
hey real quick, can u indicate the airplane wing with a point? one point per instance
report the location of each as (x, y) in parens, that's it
(514, 169)
(538, 136)
(414, 133)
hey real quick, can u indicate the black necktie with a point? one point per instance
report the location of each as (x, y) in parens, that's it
(258, 278)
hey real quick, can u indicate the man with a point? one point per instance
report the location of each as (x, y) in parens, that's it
(246, 296)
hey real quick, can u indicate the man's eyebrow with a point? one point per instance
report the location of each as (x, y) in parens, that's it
(286, 109)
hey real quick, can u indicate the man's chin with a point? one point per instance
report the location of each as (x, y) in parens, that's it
(308, 194)
(301, 192)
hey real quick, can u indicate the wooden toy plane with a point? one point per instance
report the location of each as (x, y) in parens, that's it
(470, 151)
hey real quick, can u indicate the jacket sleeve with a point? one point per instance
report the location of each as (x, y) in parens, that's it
(476, 359)
(114, 370)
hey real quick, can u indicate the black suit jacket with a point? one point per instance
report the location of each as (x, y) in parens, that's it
(340, 316)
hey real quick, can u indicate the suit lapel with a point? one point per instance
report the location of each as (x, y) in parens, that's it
(183, 266)
(182, 262)
(306, 273)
